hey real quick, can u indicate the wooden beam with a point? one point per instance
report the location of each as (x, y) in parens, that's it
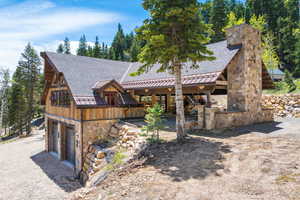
(221, 83)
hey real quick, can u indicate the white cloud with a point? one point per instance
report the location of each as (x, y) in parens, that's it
(35, 20)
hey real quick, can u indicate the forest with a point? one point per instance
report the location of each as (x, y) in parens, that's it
(278, 20)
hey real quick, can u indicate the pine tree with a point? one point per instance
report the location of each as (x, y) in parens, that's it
(296, 72)
(17, 104)
(154, 121)
(90, 51)
(97, 49)
(128, 41)
(118, 45)
(135, 50)
(29, 67)
(289, 81)
(206, 8)
(82, 49)
(174, 35)
(60, 48)
(67, 47)
(5, 80)
(218, 20)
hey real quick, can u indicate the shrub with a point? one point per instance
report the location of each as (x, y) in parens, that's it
(154, 121)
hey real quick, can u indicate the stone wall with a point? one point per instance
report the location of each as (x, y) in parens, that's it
(287, 105)
(96, 131)
(213, 118)
(124, 139)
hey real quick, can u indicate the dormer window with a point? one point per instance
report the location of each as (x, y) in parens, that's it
(111, 98)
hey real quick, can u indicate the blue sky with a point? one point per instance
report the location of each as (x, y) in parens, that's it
(45, 23)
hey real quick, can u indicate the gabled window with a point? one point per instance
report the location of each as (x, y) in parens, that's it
(60, 98)
(111, 98)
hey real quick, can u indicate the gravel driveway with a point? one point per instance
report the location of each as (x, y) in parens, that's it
(28, 173)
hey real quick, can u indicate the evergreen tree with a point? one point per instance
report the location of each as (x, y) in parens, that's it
(82, 49)
(118, 45)
(129, 41)
(296, 72)
(171, 41)
(218, 20)
(154, 121)
(289, 81)
(16, 104)
(90, 51)
(206, 8)
(29, 69)
(97, 49)
(60, 48)
(5, 80)
(286, 43)
(66, 46)
(135, 50)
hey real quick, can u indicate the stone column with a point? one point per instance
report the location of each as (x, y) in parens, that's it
(210, 122)
(245, 71)
(201, 117)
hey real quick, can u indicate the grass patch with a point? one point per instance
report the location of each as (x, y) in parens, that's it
(283, 88)
(117, 160)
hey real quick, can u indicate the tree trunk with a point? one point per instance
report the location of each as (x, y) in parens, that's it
(180, 120)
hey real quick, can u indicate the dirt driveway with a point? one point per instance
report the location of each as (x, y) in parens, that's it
(260, 162)
(28, 173)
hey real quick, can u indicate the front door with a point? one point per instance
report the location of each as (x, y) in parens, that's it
(70, 145)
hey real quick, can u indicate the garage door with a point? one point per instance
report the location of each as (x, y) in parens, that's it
(70, 145)
(54, 138)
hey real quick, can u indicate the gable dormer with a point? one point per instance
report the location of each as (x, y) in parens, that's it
(110, 91)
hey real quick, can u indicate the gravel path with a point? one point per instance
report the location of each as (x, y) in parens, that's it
(27, 172)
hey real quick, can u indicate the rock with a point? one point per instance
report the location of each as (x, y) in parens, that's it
(101, 154)
(114, 132)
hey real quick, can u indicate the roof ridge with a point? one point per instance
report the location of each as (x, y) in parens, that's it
(125, 74)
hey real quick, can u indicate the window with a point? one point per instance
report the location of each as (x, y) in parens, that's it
(111, 98)
(60, 98)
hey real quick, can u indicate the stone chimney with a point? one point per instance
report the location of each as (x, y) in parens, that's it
(245, 70)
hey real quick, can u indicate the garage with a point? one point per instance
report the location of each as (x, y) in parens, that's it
(70, 145)
(54, 137)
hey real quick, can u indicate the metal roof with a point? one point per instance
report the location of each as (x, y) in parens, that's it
(222, 53)
(170, 82)
(83, 74)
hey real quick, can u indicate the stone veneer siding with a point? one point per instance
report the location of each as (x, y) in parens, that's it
(244, 91)
(95, 131)
(245, 71)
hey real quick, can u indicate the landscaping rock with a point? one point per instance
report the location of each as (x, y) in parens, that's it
(284, 105)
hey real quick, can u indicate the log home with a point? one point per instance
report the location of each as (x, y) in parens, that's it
(83, 96)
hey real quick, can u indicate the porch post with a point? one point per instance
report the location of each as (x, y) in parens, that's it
(154, 100)
(208, 103)
(168, 102)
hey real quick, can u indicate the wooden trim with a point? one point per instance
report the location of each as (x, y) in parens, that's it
(60, 118)
(222, 83)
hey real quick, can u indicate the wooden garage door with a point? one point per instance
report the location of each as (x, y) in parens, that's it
(70, 145)
(54, 138)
